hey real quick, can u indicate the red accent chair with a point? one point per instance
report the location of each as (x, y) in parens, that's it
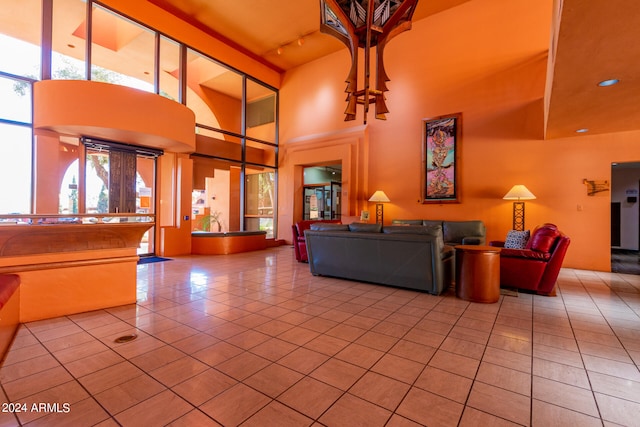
(299, 244)
(536, 267)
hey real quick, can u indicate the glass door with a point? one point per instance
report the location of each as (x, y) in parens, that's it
(121, 182)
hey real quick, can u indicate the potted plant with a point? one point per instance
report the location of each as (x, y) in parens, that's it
(206, 221)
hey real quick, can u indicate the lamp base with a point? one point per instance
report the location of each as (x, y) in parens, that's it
(379, 213)
(518, 216)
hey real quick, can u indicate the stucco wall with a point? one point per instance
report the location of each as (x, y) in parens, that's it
(487, 60)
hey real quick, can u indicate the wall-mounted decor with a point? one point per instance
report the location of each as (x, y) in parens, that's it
(440, 159)
(594, 186)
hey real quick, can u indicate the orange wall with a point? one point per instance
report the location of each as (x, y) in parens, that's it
(487, 60)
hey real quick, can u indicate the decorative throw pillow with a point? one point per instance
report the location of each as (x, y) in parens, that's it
(517, 239)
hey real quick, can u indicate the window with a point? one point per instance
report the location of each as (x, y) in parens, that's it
(15, 146)
(260, 200)
(122, 51)
(15, 169)
(169, 74)
(214, 93)
(20, 34)
(261, 112)
(68, 61)
(236, 115)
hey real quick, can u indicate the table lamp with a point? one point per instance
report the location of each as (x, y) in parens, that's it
(379, 197)
(519, 192)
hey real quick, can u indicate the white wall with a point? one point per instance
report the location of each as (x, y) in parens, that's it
(625, 183)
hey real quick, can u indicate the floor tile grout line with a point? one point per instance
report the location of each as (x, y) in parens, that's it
(593, 391)
(586, 290)
(76, 380)
(252, 294)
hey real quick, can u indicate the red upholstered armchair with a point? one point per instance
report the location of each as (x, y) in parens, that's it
(299, 244)
(536, 267)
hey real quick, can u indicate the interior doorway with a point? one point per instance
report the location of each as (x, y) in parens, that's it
(322, 201)
(322, 192)
(625, 218)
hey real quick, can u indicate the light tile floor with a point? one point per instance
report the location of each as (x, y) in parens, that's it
(255, 339)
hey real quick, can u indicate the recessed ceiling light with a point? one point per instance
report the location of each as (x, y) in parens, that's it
(609, 82)
(583, 130)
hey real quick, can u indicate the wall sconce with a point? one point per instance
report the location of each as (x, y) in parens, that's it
(380, 198)
(519, 192)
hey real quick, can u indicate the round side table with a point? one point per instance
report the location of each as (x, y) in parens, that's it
(478, 273)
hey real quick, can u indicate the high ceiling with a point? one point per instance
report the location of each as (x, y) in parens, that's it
(264, 27)
(595, 40)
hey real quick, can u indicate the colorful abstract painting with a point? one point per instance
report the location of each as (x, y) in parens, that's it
(441, 144)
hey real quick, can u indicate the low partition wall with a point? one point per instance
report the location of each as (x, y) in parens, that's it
(71, 268)
(206, 243)
(9, 310)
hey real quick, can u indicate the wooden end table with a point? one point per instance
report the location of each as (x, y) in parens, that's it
(478, 273)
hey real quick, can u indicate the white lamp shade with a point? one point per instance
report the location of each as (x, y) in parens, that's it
(519, 192)
(379, 196)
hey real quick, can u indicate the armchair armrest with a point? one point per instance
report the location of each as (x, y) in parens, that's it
(525, 254)
(497, 243)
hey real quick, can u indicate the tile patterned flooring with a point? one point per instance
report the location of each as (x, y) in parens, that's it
(255, 340)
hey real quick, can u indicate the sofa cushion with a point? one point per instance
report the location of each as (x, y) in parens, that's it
(455, 231)
(473, 241)
(432, 222)
(329, 226)
(517, 239)
(407, 229)
(360, 227)
(543, 239)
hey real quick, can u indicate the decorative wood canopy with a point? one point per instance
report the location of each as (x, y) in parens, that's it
(366, 24)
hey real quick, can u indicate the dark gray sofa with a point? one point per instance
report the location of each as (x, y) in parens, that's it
(413, 257)
(454, 233)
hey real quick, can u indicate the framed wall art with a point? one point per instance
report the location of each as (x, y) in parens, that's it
(440, 159)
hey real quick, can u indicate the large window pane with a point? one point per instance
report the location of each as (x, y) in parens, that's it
(145, 198)
(20, 35)
(15, 169)
(261, 112)
(69, 202)
(69, 40)
(15, 100)
(215, 200)
(169, 68)
(216, 144)
(97, 181)
(260, 200)
(214, 93)
(122, 51)
(261, 154)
